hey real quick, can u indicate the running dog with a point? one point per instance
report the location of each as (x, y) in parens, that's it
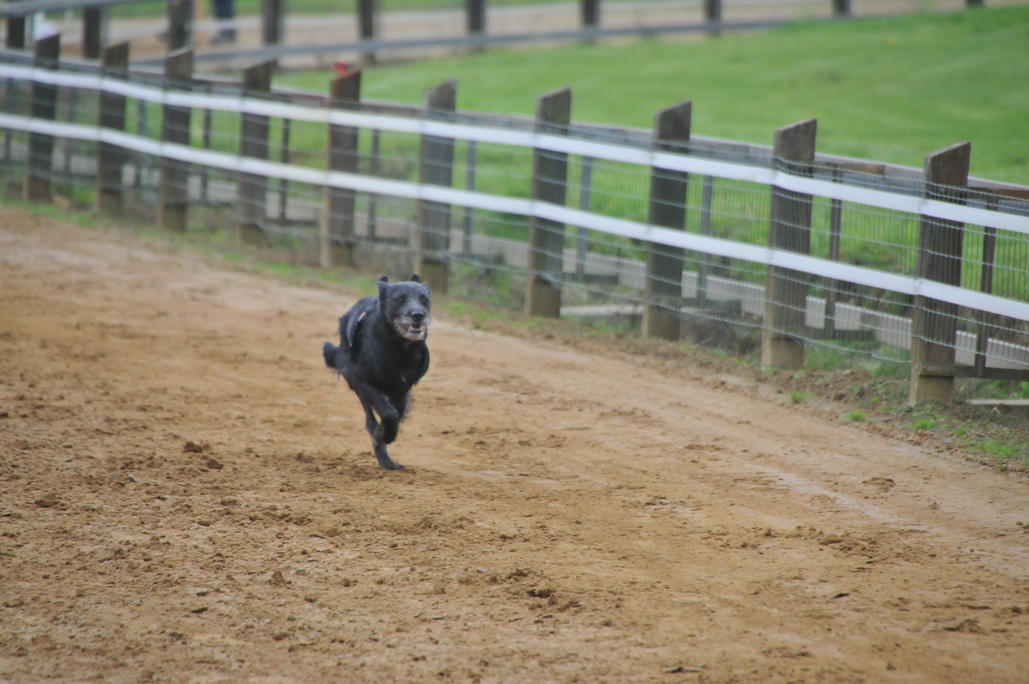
(382, 354)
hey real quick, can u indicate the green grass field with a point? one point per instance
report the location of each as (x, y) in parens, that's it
(888, 90)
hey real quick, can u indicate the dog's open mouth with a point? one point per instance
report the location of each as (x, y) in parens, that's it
(414, 332)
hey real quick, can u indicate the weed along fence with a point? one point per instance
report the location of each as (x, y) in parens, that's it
(694, 238)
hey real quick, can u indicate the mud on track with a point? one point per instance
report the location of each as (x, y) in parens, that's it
(186, 494)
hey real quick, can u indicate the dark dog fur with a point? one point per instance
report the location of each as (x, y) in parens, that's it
(382, 354)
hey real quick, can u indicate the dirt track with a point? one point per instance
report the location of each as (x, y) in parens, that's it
(186, 494)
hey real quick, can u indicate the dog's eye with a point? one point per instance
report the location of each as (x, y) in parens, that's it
(400, 299)
(423, 300)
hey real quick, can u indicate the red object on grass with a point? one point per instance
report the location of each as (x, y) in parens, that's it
(340, 68)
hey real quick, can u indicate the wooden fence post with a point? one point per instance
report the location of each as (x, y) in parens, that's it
(589, 14)
(475, 19)
(713, 16)
(663, 284)
(436, 168)
(841, 8)
(180, 24)
(549, 184)
(43, 105)
(337, 225)
(252, 191)
(366, 25)
(94, 31)
(271, 22)
(111, 158)
(934, 326)
(15, 32)
(173, 191)
(786, 290)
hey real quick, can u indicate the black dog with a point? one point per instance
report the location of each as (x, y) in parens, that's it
(382, 354)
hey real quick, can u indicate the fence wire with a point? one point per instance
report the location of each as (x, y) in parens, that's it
(718, 298)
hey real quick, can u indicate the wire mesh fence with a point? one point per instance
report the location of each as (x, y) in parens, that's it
(620, 227)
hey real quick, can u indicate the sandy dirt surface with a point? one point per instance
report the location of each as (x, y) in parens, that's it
(187, 494)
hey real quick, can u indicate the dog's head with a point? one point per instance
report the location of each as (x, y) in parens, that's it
(407, 307)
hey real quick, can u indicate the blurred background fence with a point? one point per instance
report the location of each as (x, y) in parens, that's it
(303, 33)
(745, 247)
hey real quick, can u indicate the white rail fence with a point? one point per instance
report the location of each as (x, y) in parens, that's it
(951, 327)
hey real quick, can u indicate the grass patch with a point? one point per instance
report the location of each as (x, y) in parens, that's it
(956, 81)
(866, 81)
(1006, 453)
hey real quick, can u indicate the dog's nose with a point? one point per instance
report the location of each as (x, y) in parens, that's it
(417, 316)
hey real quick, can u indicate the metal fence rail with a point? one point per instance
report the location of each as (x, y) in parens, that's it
(713, 241)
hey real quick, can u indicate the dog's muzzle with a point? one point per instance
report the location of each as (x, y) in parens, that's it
(414, 327)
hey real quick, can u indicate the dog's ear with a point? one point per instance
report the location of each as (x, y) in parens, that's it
(416, 279)
(383, 286)
(384, 279)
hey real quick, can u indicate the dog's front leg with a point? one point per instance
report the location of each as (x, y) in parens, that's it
(383, 457)
(389, 416)
(382, 433)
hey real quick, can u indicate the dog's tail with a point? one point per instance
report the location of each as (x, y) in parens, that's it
(329, 352)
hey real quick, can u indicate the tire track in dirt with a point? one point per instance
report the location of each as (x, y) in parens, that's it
(186, 494)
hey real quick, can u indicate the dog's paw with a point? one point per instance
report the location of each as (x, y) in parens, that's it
(385, 462)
